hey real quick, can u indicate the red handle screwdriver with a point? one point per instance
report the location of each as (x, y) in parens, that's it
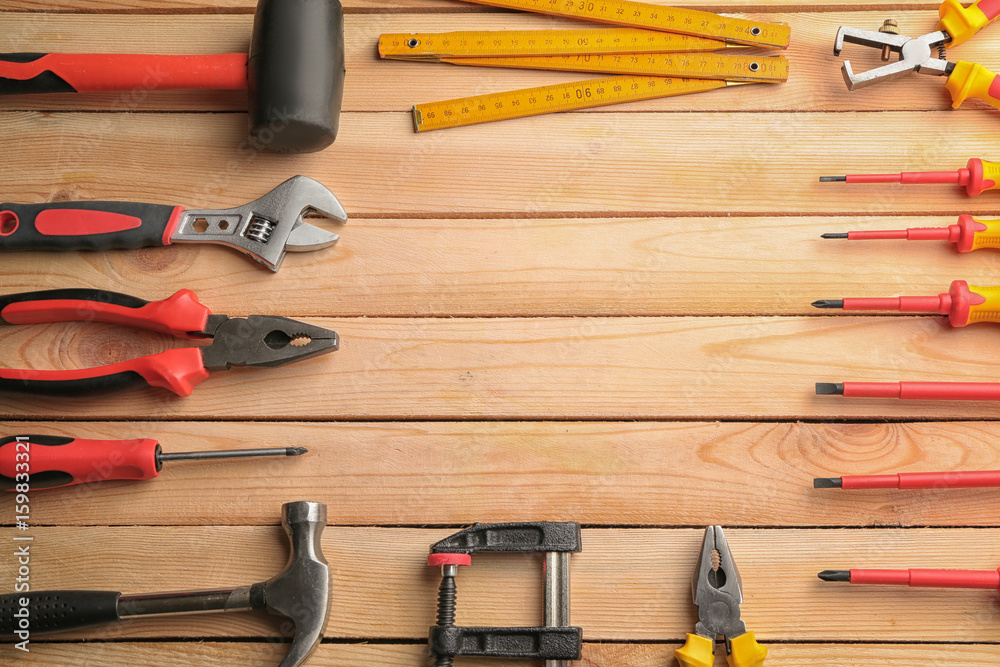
(962, 303)
(923, 578)
(913, 480)
(967, 235)
(50, 462)
(977, 177)
(930, 391)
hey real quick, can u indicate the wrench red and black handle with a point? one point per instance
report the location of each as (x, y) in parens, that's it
(86, 225)
(27, 73)
(49, 462)
(178, 369)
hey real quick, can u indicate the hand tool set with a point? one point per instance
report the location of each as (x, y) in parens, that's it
(957, 25)
(264, 229)
(294, 74)
(976, 177)
(718, 593)
(299, 594)
(260, 341)
(968, 234)
(662, 51)
(555, 642)
(57, 461)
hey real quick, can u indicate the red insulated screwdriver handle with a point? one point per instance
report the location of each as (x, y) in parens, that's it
(27, 73)
(965, 479)
(49, 462)
(926, 578)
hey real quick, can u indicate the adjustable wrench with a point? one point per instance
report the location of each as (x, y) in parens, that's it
(264, 229)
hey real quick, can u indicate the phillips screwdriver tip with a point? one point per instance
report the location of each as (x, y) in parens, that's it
(835, 575)
(295, 451)
(833, 179)
(830, 388)
(828, 303)
(827, 483)
(834, 235)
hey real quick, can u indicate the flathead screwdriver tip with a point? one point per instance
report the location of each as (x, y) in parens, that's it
(833, 179)
(827, 483)
(295, 451)
(835, 235)
(828, 303)
(835, 575)
(830, 388)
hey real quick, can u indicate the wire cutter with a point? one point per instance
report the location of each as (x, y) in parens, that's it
(718, 593)
(957, 25)
(257, 340)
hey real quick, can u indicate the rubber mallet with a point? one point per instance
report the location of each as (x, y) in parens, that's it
(294, 74)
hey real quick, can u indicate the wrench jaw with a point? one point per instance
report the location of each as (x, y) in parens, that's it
(267, 228)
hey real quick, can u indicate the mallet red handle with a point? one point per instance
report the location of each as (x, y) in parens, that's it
(26, 73)
(49, 462)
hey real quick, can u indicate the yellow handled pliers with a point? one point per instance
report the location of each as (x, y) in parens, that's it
(718, 593)
(957, 25)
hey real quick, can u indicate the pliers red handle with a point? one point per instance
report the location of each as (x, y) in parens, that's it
(257, 340)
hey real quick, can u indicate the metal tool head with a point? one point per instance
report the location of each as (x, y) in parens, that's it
(915, 55)
(264, 341)
(301, 593)
(271, 226)
(717, 589)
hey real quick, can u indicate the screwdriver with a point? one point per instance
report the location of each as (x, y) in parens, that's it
(962, 303)
(51, 462)
(913, 480)
(977, 177)
(922, 578)
(969, 234)
(931, 391)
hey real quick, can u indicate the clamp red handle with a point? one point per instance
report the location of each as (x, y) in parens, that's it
(180, 315)
(26, 73)
(49, 462)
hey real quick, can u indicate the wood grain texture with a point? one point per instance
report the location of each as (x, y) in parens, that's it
(383, 588)
(538, 267)
(156, 654)
(372, 84)
(659, 474)
(546, 368)
(621, 163)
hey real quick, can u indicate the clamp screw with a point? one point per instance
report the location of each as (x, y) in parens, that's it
(888, 26)
(447, 593)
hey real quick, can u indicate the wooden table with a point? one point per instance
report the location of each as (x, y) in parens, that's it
(600, 316)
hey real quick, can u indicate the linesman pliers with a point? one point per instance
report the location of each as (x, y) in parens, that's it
(957, 25)
(718, 593)
(257, 340)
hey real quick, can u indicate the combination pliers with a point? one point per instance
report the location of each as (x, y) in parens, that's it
(956, 26)
(718, 593)
(257, 340)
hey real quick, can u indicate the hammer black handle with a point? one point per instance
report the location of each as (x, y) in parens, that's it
(24, 615)
(26, 73)
(86, 225)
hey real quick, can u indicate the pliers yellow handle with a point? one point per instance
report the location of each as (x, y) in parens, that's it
(972, 80)
(962, 23)
(699, 651)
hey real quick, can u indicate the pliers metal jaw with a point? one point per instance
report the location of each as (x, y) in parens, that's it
(915, 55)
(257, 340)
(718, 593)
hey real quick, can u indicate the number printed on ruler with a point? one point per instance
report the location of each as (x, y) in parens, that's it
(657, 17)
(549, 99)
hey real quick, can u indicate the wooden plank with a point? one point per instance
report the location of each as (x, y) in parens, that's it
(376, 85)
(383, 588)
(376, 6)
(662, 474)
(545, 368)
(623, 163)
(595, 655)
(514, 267)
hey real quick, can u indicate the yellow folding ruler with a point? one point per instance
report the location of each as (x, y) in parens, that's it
(675, 58)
